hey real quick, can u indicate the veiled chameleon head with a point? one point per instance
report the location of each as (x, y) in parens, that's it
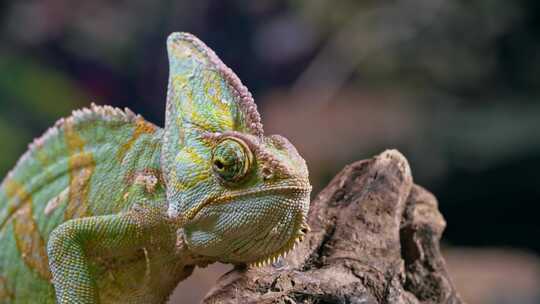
(241, 197)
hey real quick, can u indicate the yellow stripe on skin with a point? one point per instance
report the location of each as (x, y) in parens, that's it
(44, 160)
(220, 107)
(14, 190)
(73, 141)
(141, 127)
(29, 241)
(5, 293)
(190, 155)
(81, 166)
(42, 157)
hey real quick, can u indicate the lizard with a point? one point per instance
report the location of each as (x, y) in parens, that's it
(104, 195)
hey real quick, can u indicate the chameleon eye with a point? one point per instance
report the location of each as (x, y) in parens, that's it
(231, 159)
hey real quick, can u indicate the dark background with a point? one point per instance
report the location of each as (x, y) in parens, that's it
(454, 85)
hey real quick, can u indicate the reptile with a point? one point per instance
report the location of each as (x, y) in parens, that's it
(104, 195)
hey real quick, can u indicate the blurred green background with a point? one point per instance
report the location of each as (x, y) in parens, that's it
(454, 85)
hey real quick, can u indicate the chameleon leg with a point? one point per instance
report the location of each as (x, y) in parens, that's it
(70, 243)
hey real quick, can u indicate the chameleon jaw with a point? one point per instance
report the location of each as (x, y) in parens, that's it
(193, 212)
(286, 229)
(283, 251)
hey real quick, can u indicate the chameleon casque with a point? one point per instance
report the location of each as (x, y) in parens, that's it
(103, 196)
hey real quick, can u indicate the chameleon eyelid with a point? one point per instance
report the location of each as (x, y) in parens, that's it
(247, 154)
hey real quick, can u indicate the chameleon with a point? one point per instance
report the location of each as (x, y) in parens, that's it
(104, 195)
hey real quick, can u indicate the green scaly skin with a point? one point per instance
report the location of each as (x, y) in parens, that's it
(92, 212)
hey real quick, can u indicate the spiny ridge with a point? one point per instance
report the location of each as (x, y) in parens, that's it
(93, 113)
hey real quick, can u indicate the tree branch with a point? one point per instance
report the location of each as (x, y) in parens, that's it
(374, 239)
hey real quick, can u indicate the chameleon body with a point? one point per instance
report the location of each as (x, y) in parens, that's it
(92, 211)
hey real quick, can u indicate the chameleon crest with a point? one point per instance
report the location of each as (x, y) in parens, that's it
(94, 211)
(241, 196)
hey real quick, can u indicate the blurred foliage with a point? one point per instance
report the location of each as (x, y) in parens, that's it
(40, 90)
(452, 84)
(32, 95)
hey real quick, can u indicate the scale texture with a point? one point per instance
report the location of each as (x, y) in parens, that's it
(95, 210)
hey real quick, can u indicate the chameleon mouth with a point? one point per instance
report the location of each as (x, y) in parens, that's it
(300, 191)
(282, 224)
(289, 246)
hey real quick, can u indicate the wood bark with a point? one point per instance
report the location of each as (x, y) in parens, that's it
(374, 239)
